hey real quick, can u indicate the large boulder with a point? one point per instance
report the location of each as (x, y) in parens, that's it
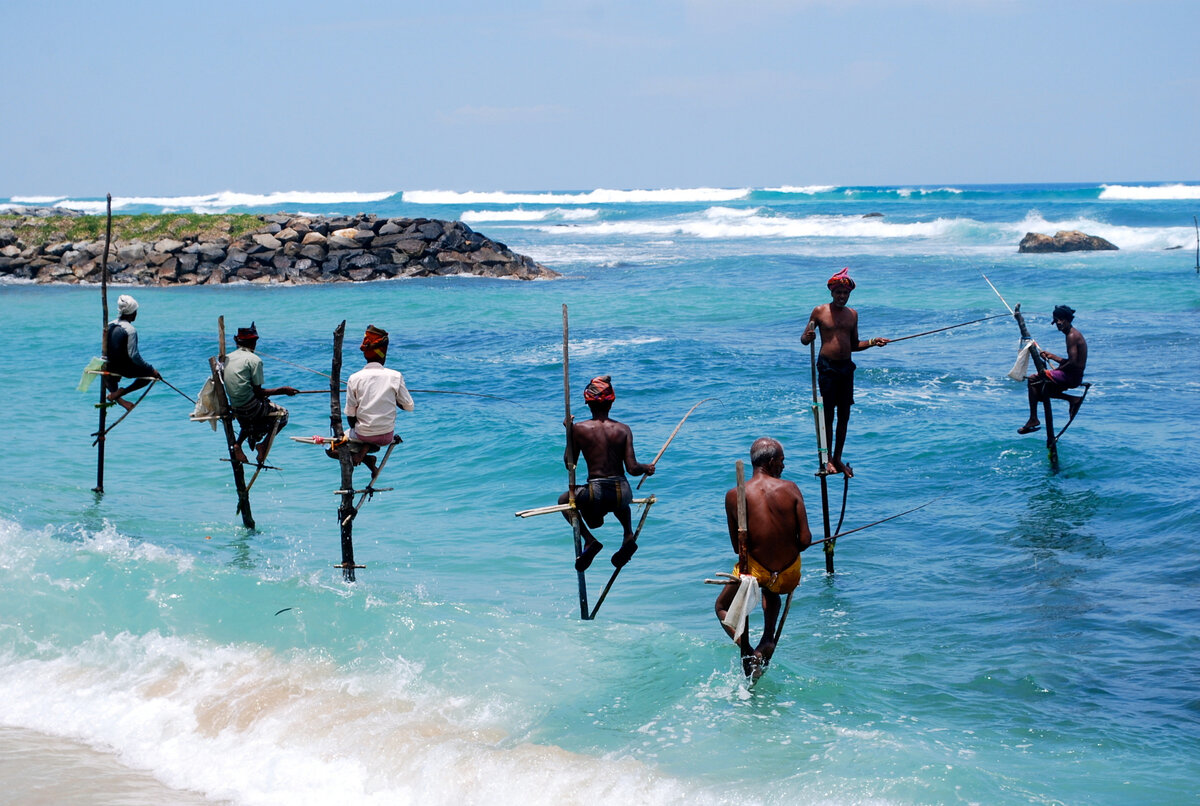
(1063, 241)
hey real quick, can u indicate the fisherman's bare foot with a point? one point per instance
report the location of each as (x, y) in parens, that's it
(843, 467)
(1029, 427)
(766, 649)
(369, 461)
(830, 470)
(120, 401)
(589, 553)
(622, 555)
(240, 455)
(261, 453)
(752, 665)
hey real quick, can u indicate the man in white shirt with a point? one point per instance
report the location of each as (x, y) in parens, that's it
(372, 396)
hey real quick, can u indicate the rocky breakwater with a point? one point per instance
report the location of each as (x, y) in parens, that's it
(1063, 241)
(284, 249)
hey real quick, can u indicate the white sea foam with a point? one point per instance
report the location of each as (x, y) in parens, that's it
(725, 222)
(804, 190)
(38, 200)
(599, 196)
(244, 724)
(521, 214)
(1149, 192)
(224, 201)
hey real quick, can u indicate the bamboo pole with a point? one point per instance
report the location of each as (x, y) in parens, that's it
(569, 423)
(101, 430)
(616, 571)
(818, 407)
(346, 509)
(217, 365)
(1040, 363)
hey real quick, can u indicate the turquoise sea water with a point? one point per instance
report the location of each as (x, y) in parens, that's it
(1029, 637)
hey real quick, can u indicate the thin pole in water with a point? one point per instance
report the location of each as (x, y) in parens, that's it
(103, 347)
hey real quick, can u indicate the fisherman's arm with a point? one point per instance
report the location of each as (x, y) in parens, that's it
(278, 390)
(403, 398)
(803, 534)
(731, 518)
(874, 341)
(810, 330)
(632, 466)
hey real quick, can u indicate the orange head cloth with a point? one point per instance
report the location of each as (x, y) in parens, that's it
(600, 389)
(375, 343)
(842, 278)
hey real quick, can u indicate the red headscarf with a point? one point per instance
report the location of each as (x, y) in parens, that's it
(600, 389)
(375, 342)
(842, 278)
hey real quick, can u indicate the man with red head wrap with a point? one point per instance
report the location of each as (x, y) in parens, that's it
(372, 395)
(835, 370)
(607, 447)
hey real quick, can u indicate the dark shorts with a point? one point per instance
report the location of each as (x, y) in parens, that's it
(601, 496)
(835, 379)
(259, 417)
(1056, 381)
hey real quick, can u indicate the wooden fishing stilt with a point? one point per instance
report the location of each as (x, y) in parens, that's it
(1040, 364)
(576, 525)
(101, 430)
(346, 508)
(818, 408)
(616, 571)
(217, 365)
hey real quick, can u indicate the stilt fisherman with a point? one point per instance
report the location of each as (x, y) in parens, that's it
(835, 370)
(776, 532)
(258, 417)
(1068, 375)
(124, 359)
(372, 397)
(607, 447)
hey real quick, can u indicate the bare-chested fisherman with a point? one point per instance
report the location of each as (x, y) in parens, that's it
(607, 447)
(835, 370)
(777, 531)
(1068, 375)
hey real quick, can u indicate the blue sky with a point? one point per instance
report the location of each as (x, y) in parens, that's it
(173, 98)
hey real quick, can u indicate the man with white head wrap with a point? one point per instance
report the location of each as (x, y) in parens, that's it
(121, 350)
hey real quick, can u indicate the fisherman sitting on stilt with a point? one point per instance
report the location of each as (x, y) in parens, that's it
(124, 359)
(776, 531)
(372, 396)
(1068, 375)
(258, 417)
(835, 370)
(607, 447)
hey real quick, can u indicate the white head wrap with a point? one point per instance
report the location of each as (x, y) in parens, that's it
(126, 305)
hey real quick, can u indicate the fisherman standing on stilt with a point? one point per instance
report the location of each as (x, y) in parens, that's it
(124, 359)
(607, 447)
(835, 370)
(372, 396)
(258, 417)
(777, 531)
(1069, 374)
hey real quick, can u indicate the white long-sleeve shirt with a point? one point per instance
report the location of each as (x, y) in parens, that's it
(372, 395)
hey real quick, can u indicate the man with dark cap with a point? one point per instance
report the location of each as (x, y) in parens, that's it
(372, 395)
(259, 418)
(835, 370)
(607, 447)
(1068, 375)
(123, 358)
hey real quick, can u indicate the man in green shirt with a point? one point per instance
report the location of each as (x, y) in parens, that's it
(259, 418)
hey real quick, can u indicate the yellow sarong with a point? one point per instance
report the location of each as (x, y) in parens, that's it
(784, 581)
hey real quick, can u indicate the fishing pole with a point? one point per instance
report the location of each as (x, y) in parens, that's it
(869, 525)
(948, 327)
(663, 449)
(989, 282)
(418, 391)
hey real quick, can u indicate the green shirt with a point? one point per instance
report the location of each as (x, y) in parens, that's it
(243, 372)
